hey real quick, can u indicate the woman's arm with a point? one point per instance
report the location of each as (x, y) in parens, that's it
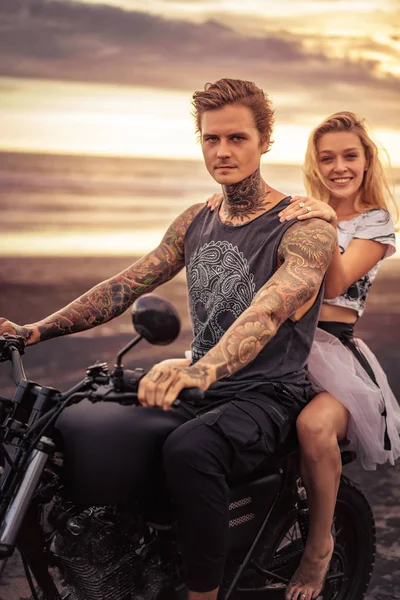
(214, 201)
(354, 263)
(359, 258)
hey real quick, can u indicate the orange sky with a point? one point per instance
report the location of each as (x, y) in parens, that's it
(95, 77)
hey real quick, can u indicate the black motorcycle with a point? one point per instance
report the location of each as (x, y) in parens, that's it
(123, 550)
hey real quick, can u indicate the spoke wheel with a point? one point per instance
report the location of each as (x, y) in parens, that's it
(279, 551)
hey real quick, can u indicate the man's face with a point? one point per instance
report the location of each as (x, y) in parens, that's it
(230, 143)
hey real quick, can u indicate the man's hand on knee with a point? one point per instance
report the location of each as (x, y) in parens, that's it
(164, 382)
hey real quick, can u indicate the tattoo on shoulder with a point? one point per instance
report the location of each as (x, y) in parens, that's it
(310, 243)
(175, 235)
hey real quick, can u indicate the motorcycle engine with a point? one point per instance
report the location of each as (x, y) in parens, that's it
(98, 555)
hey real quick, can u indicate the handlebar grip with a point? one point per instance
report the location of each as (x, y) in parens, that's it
(7, 343)
(131, 379)
(193, 395)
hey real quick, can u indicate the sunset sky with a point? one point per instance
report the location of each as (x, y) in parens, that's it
(116, 77)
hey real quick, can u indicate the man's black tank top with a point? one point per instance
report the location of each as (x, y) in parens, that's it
(226, 266)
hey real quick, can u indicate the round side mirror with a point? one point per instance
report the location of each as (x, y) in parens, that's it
(155, 319)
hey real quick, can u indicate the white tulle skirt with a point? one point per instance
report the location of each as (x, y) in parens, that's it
(333, 367)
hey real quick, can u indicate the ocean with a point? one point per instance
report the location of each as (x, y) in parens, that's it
(55, 205)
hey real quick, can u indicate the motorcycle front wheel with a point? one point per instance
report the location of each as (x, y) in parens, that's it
(281, 546)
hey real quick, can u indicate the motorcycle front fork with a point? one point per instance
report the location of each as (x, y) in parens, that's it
(19, 505)
(20, 527)
(303, 514)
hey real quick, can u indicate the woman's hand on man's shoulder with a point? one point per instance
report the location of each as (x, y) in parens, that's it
(214, 201)
(305, 207)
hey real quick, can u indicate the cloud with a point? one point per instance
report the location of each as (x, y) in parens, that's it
(99, 43)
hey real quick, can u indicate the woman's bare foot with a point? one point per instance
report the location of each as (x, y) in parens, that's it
(308, 580)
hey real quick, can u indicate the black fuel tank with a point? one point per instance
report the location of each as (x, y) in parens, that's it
(113, 453)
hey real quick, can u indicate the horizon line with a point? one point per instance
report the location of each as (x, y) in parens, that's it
(127, 156)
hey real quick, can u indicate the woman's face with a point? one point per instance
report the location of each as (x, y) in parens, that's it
(342, 163)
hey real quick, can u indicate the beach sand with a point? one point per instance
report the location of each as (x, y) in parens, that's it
(32, 288)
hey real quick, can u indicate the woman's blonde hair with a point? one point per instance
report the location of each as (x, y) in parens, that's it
(374, 191)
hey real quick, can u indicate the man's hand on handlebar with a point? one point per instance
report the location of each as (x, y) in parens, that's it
(163, 383)
(29, 333)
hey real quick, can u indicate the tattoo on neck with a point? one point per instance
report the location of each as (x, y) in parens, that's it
(245, 199)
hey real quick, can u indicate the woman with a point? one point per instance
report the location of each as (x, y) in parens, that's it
(355, 403)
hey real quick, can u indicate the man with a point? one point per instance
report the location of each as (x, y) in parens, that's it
(254, 291)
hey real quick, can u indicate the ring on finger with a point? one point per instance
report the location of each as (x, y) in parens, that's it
(308, 209)
(301, 204)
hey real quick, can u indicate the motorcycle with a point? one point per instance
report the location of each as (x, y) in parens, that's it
(104, 550)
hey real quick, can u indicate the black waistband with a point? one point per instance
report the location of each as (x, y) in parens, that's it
(343, 331)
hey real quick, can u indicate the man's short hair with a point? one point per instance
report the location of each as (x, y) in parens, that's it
(236, 91)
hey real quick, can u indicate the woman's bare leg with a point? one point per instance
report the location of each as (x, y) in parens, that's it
(203, 595)
(320, 425)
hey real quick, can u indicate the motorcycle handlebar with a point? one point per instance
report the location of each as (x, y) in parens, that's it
(131, 378)
(18, 367)
(192, 395)
(11, 348)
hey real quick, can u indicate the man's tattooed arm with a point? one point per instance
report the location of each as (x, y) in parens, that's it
(112, 297)
(304, 254)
